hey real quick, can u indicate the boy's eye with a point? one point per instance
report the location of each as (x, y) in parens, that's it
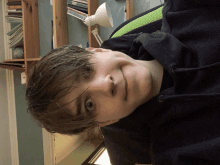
(89, 105)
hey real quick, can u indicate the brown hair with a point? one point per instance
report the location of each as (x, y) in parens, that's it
(47, 87)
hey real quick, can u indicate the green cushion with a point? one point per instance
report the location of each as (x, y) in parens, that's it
(141, 21)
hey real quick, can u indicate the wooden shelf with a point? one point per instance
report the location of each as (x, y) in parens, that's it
(60, 24)
(30, 37)
(92, 7)
(130, 9)
(33, 59)
(12, 68)
(14, 60)
(22, 60)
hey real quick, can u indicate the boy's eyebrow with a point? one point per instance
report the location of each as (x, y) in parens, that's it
(78, 105)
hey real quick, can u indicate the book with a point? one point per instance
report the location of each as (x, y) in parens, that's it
(15, 14)
(14, 11)
(14, 3)
(14, 29)
(17, 41)
(15, 7)
(13, 0)
(78, 8)
(86, 2)
(80, 4)
(15, 32)
(10, 19)
(79, 12)
(15, 35)
(76, 14)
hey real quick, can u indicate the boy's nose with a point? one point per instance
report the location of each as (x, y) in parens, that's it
(106, 86)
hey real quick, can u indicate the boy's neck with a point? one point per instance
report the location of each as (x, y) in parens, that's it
(156, 70)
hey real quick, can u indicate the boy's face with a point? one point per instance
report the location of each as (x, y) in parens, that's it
(119, 85)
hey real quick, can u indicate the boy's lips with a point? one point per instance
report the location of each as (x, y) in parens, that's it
(126, 85)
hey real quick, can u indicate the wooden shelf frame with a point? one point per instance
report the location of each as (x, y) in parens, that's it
(92, 7)
(30, 36)
(130, 9)
(30, 32)
(14, 60)
(12, 68)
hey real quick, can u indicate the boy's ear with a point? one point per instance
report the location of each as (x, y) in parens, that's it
(103, 124)
(90, 48)
(98, 49)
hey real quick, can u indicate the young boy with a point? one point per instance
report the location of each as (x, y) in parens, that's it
(155, 95)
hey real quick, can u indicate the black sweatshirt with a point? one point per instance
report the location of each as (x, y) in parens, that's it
(181, 125)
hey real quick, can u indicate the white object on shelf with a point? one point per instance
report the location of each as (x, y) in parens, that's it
(102, 16)
(23, 79)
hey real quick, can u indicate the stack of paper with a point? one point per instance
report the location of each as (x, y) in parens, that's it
(14, 13)
(13, 19)
(16, 36)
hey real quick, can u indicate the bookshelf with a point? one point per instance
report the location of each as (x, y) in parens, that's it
(31, 30)
(30, 37)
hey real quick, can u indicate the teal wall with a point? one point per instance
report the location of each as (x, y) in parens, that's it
(45, 14)
(30, 142)
(77, 32)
